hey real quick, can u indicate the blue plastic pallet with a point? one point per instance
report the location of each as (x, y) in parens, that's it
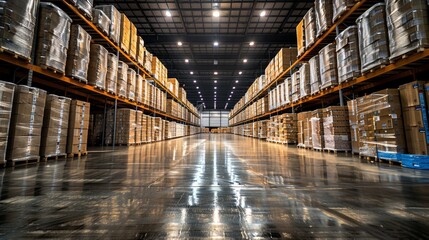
(415, 161)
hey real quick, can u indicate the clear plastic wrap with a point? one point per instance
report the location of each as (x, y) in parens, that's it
(317, 133)
(373, 41)
(310, 28)
(288, 90)
(17, 24)
(348, 58)
(340, 7)
(122, 80)
(115, 21)
(112, 73)
(408, 26)
(295, 86)
(131, 84)
(139, 89)
(148, 61)
(354, 124)
(7, 91)
(78, 54)
(26, 124)
(53, 37)
(336, 129)
(304, 80)
(85, 6)
(98, 66)
(77, 137)
(138, 127)
(323, 15)
(328, 66)
(314, 74)
(101, 20)
(55, 126)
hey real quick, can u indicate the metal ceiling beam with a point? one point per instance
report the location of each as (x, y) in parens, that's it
(284, 38)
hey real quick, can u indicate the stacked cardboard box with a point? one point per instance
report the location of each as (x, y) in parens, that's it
(144, 123)
(288, 128)
(314, 75)
(131, 84)
(140, 51)
(85, 6)
(300, 37)
(97, 70)
(115, 21)
(340, 7)
(354, 125)
(55, 126)
(139, 89)
(336, 128)
(112, 73)
(110, 125)
(7, 91)
(159, 71)
(182, 94)
(101, 20)
(172, 108)
(317, 133)
(133, 41)
(173, 86)
(348, 58)
(308, 136)
(78, 54)
(380, 124)
(20, 16)
(138, 127)
(414, 110)
(408, 26)
(272, 134)
(304, 80)
(126, 126)
(147, 60)
(296, 79)
(122, 79)
(323, 15)
(310, 28)
(26, 124)
(77, 136)
(53, 37)
(262, 131)
(125, 36)
(288, 90)
(328, 66)
(283, 60)
(157, 129)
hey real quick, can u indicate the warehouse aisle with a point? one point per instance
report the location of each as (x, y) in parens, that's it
(213, 186)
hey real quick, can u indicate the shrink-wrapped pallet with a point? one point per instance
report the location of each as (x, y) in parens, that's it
(328, 66)
(304, 80)
(288, 128)
(101, 20)
(125, 126)
(77, 137)
(354, 125)
(138, 127)
(323, 15)
(133, 41)
(115, 21)
(336, 128)
(348, 58)
(78, 54)
(310, 28)
(340, 7)
(314, 74)
(26, 124)
(148, 61)
(373, 40)
(139, 89)
(122, 79)
(288, 90)
(21, 17)
(55, 126)
(296, 78)
(53, 37)
(112, 73)
(84, 6)
(7, 91)
(97, 69)
(317, 134)
(131, 84)
(140, 51)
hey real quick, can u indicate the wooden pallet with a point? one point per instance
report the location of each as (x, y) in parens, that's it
(329, 150)
(15, 55)
(56, 71)
(79, 79)
(56, 157)
(80, 154)
(376, 68)
(406, 55)
(13, 163)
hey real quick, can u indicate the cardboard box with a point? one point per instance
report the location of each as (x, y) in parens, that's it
(125, 37)
(410, 93)
(77, 137)
(133, 41)
(300, 37)
(416, 140)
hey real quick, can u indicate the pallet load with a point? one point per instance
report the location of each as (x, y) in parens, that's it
(148, 61)
(328, 67)
(336, 129)
(125, 126)
(308, 137)
(157, 129)
(317, 130)
(296, 89)
(340, 7)
(272, 134)
(283, 60)
(140, 51)
(300, 127)
(139, 89)
(133, 41)
(144, 122)
(26, 124)
(115, 21)
(288, 128)
(20, 16)
(55, 127)
(7, 91)
(125, 36)
(310, 28)
(381, 129)
(53, 38)
(414, 110)
(288, 90)
(84, 6)
(97, 69)
(78, 54)
(112, 73)
(348, 58)
(300, 37)
(373, 41)
(131, 84)
(182, 94)
(408, 26)
(138, 127)
(354, 125)
(323, 15)
(122, 80)
(101, 20)
(304, 81)
(173, 86)
(262, 129)
(314, 75)
(77, 137)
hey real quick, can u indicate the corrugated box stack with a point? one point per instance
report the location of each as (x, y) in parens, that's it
(414, 110)
(300, 37)
(328, 66)
(408, 26)
(53, 37)
(317, 134)
(78, 54)
(310, 28)
(308, 136)
(173, 86)
(273, 129)
(55, 126)
(354, 125)
(125, 36)
(157, 129)
(159, 70)
(300, 127)
(314, 75)
(340, 7)
(304, 81)
(255, 129)
(20, 16)
(101, 20)
(122, 79)
(26, 124)
(323, 15)
(381, 128)
(126, 126)
(138, 127)
(133, 41)
(182, 94)
(97, 69)
(144, 128)
(348, 58)
(139, 89)
(283, 60)
(7, 91)
(131, 84)
(112, 73)
(336, 128)
(110, 125)
(140, 51)
(288, 128)
(148, 61)
(115, 21)
(373, 41)
(77, 137)
(288, 90)
(296, 79)
(85, 6)
(263, 127)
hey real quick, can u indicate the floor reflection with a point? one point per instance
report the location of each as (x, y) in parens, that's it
(213, 186)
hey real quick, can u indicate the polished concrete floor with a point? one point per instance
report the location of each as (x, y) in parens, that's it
(213, 186)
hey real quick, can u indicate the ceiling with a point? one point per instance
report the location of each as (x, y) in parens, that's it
(192, 23)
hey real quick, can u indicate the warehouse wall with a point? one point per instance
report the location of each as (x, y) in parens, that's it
(212, 118)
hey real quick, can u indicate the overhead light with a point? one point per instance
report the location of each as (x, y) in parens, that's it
(198, 87)
(179, 43)
(236, 81)
(215, 81)
(215, 73)
(191, 73)
(195, 81)
(252, 43)
(232, 92)
(230, 96)
(263, 13)
(233, 87)
(245, 60)
(216, 44)
(186, 60)
(201, 96)
(199, 92)
(202, 99)
(229, 99)
(215, 62)
(216, 13)
(215, 87)
(240, 73)
(215, 99)
(215, 95)
(168, 13)
(215, 92)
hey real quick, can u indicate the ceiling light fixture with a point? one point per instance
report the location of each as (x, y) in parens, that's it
(263, 13)
(199, 92)
(195, 81)
(179, 43)
(252, 43)
(191, 73)
(215, 92)
(245, 60)
(215, 81)
(216, 13)
(198, 87)
(215, 73)
(236, 81)
(168, 13)
(240, 73)
(232, 92)
(215, 87)
(216, 44)
(229, 99)
(233, 87)
(186, 60)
